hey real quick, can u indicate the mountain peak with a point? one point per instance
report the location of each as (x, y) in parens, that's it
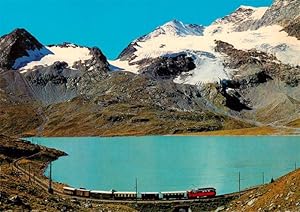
(19, 47)
(246, 7)
(239, 15)
(243, 18)
(23, 37)
(20, 31)
(174, 21)
(175, 28)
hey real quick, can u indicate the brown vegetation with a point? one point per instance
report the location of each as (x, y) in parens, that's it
(281, 195)
(244, 132)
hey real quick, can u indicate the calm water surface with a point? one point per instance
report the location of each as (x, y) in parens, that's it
(166, 163)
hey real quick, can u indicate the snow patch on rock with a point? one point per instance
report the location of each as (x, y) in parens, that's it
(119, 65)
(209, 68)
(33, 55)
(69, 54)
(175, 28)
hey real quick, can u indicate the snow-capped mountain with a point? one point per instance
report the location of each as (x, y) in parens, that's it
(170, 29)
(20, 47)
(19, 50)
(43, 72)
(239, 20)
(174, 28)
(175, 37)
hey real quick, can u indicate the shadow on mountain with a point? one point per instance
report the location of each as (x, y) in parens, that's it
(234, 103)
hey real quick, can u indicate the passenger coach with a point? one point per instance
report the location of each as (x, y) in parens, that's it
(150, 195)
(124, 195)
(69, 190)
(102, 194)
(173, 195)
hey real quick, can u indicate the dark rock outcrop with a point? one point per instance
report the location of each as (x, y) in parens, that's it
(245, 82)
(48, 81)
(92, 71)
(16, 45)
(170, 66)
(240, 57)
(257, 67)
(234, 102)
(128, 52)
(293, 28)
(58, 74)
(17, 148)
(59, 65)
(97, 62)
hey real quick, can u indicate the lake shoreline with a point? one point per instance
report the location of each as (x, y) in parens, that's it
(253, 131)
(234, 150)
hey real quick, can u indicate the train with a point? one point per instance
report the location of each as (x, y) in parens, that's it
(121, 195)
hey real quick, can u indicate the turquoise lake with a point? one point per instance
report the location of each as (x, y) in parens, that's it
(168, 163)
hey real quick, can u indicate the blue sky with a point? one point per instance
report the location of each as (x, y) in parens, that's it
(108, 24)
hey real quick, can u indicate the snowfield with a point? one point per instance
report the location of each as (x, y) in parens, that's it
(209, 66)
(33, 55)
(69, 54)
(208, 69)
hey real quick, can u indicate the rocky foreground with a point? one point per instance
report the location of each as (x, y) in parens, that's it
(281, 195)
(18, 192)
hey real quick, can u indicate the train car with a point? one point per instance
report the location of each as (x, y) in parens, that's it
(150, 195)
(201, 192)
(82, 192)
(174, 195)
(69, 190)
(124, 195)
(101, 194)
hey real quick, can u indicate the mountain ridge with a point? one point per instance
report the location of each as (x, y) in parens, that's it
(186, 78)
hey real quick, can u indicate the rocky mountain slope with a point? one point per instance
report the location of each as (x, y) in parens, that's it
(282, 12)
(241, 71)
(281, 195)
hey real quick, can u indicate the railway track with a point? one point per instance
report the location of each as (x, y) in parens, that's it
(44, 185)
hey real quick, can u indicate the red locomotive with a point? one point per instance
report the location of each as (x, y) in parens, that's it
(201, 192)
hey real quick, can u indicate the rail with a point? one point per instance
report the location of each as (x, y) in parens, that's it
(43, 185)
